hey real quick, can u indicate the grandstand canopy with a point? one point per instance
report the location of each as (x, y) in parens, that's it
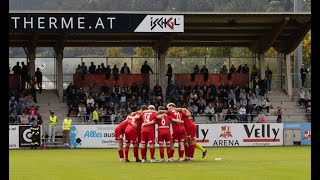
(258, 31)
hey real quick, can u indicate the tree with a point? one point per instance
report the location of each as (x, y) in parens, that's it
(115, 52)
(144, 52)
(306, 50)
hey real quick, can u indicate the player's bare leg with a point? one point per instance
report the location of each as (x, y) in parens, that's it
(191, 150)
(161, 149)
(120, 150)
(170, 159)
(186, 149)
(181, 151)
(136, 152)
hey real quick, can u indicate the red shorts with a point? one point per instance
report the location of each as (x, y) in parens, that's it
(147, 137)
(164, 136)
(131, 136)
(191, 132)
(178, 136)
(118, 134)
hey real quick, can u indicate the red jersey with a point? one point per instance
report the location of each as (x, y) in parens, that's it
(122, 126)
(32, 112)
(188, 121)
(164, 123)
(176, 115)
(146, 118)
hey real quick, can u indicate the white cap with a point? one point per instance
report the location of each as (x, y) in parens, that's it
(171, 104)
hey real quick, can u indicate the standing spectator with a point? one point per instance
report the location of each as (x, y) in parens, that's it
(92, 68)
(79, 69)
(279, 115)
(35, 135)
(245, 69)
(52, 127)
(115, 72)
(125, 69)
(98, 69)
(308, 110)
(116, 91)
(107, 72)
(84, 70)
(195, 72)
(169, 73)
(205, 73)
(254, 72)
(103, 68)
(233, 69)
(33, 90)
(66, 130)
(239, 70)
(302, 97)
(95, 116)
(303, 73)
(269, 79)
(146, 69)
(24, 75)
(16, 69)
(38, 75)
(255, 85)
(242, 114)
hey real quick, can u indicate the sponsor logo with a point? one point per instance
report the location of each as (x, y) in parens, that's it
(92, 134)
(25, 136)
(225, 143)
(204, 133)
(161, 23)
(307, 135)
(263, 134)
(225, 131)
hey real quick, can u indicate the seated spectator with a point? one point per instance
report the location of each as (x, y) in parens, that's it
(231, 97)
(263, 104)
(210, 111)
(201, 105)
(243, 101)
(242, 114)
(218, 112)
(254, 102)
(231, 117)
(102, 114)
(123, 101)
(116, 91)
(90, 101)
(308, 110)
(30, 102)
(24, 119)
(82, 112)
(32, 113)
(193, 108)
(102, 98)
(302, 98)
(135, 89)
(262, 118)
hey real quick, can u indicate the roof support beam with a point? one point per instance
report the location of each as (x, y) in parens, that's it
(164, 43)
(265, 42)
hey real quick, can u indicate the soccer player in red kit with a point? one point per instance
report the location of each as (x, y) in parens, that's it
(164, 134)
(118, 134)
(178, 129)
(131, 134)
(148, 133)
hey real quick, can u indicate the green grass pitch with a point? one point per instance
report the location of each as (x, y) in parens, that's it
(247, 163)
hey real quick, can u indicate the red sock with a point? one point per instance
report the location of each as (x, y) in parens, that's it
(168, 151)
(161, 152)
(126, 151)
(152, 150)
(181, 152)
(143, 153)
(186, 149)
(191, 150)
(135, 152)
(120, 152)
(172, 153)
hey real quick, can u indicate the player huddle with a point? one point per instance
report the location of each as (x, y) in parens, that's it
(139, 128)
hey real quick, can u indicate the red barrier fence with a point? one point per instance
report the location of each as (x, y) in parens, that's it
(99, 80)
(216, 79)
(14, 81)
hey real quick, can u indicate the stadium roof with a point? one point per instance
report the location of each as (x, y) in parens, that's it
(258, 31)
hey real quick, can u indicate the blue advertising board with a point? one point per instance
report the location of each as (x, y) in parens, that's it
(305, 129)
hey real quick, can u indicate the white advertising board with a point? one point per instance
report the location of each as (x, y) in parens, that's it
(13, 137)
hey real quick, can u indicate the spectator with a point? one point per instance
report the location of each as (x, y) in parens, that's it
(254, 102)
(52, 127)
(231, 97)
(116, 91)
(224, 70)
(90, 101)
(39, 117)
(242, 114)
(79, 69)
(245, 69)
(24, 119)
(218, 112)
(169, 73)
(95, 116)
(123, 101)
(102, 98)
(16, 69)
(262, 118)
(243, 101)
(107, 72)
(269, 79)
(135, 89)
(125, 69)
(308, 110)
(210, 111)
(231, 117)
(32, 113)
(66, 130)
(308, 96)
(103, 68)
(263, 104)
(38, 75)
(195, 72)
(92, 68)
(239, 70)
(84, 70)
(24, 75)
(254, 72)
(102, 114)
(263, 86)
(233, 70)
(201, 105)
(99, 70)
(279, 115)
(82, 112)
(303, 73)
(193, 108)
(302, 98)
(145, 68)
(115, 72)
(205, 73)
